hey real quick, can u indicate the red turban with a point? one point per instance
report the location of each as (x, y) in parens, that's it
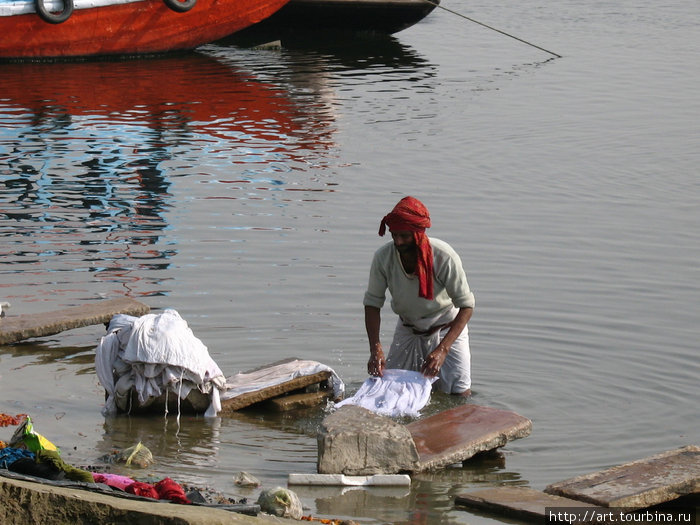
(411, 215)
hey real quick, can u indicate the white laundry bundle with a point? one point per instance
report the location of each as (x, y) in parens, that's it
(397, 393)
(153, 354)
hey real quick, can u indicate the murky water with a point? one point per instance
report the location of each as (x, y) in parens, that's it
(244, 188)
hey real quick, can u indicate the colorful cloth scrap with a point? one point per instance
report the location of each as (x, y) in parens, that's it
(6, 420)
(9, 455)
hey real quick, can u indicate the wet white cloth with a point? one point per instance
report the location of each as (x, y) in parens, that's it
(397, 393)
(154, 354)
(409, 350)
(279, 373)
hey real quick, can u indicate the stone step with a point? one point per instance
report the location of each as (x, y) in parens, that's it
(455, 435)
(639, 484)
(18, 328)
(264, 394)
(518, 502)
(286, 403)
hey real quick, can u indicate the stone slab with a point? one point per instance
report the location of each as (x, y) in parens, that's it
(27, 326)
(517, 502)
(357, 442)
(298, 401)
(250, 398)
(639, 484)
(458, 434)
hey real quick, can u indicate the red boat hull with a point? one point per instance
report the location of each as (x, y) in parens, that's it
(143, 27)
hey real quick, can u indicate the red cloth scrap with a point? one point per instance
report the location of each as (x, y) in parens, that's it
(164, 489)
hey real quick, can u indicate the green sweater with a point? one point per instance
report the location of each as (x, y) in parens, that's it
(450, 285)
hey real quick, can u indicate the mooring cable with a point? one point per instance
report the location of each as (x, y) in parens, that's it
(493, 28)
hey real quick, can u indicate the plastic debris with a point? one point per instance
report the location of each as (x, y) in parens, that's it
(386, 480)
(243, 479)
(137, 456)
(280, 502)
(25, 437)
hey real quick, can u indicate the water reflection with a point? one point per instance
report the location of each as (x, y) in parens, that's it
(183, 442)
(46, 355)
(211, 450)
(173, 98)
(305, 421)
(89, 153)
(371, 502)
(324, 63)
(358, 51)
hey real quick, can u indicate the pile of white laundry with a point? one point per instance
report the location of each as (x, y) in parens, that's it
(152, 355)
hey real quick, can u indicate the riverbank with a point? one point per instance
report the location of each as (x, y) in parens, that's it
(25, 503)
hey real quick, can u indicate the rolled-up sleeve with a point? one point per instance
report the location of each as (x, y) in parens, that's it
(452, 274)
(376, 287)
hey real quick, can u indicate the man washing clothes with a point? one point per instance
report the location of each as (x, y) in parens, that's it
(431, 296)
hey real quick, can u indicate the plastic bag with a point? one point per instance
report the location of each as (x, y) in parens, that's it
(25, 437)
(137, 456)
(243, 479)
(280, 502)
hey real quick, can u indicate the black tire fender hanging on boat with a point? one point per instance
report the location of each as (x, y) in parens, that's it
(178, 6)
(54, 18)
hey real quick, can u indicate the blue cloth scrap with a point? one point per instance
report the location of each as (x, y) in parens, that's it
(9, 455)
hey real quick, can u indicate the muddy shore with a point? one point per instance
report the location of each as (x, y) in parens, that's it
(27, 503)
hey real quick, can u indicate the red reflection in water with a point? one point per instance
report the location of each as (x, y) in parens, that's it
(192, 93)
(104, 215)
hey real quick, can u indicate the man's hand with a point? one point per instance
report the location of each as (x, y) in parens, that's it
(433, 363)
(376, 363)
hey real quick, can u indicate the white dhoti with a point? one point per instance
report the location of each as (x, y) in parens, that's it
(412, 344)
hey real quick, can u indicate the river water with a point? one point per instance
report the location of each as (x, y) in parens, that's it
(244, 188)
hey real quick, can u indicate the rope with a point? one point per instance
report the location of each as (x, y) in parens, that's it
(492, 28)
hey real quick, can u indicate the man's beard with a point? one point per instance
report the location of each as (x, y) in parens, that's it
(405, 249)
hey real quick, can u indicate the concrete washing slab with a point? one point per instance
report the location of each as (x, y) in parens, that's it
(356, 441)
(287, 403)
(517, 502)
(639, 484)
(18, 328)
(457, 434)
(268, 393)
(660, 479)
